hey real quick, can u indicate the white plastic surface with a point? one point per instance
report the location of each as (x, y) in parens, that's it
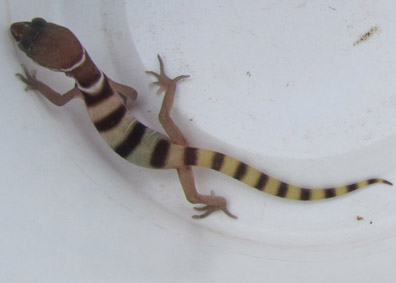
(284, 85)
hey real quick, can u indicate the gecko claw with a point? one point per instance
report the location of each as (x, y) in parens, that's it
(163, 81)
(155, 75)
(210, 208)
(28, 77)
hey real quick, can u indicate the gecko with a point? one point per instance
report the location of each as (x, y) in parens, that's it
(109, 106)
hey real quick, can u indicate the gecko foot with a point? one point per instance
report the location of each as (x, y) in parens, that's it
(164, 82)
(208, 209)
(29, 78)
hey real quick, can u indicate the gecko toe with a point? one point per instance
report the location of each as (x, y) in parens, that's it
(209, 209)
(163, 81)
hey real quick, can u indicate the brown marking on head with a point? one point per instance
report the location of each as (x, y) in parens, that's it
(51, 46)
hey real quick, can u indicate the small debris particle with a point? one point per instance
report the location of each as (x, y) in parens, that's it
(366, 35)
(249, 74)
(331, 8)
(371, 222)
(359, 218)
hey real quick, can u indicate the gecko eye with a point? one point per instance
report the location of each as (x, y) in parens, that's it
(38, 23)
(25, 44)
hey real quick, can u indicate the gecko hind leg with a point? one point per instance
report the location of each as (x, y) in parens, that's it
(212, 202)
(186, 176)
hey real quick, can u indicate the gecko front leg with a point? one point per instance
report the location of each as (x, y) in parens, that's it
(168, 86)
(32, 83)
(186, 176)
(127, 93)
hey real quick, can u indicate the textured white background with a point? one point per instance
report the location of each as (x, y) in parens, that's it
(279, 84)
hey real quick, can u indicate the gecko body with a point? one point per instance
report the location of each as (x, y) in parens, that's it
(108, 104)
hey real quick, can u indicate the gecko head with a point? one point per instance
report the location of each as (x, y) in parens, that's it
(50, 45)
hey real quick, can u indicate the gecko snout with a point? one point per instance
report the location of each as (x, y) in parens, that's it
(17, 29)
(25, 33)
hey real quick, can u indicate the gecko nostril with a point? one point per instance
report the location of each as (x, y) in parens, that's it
(16, 31)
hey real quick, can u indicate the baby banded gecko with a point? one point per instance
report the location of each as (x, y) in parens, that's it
(108, 103)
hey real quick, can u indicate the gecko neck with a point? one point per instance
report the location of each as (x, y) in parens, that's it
(88, 77)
